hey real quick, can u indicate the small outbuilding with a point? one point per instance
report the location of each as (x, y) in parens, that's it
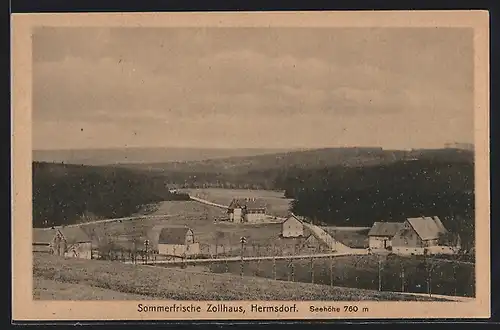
(381, 234)
(292, 227)
(174, 241)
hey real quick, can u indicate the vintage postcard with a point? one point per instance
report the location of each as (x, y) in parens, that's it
(251, 165)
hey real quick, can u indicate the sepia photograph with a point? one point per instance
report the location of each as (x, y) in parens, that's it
(258, 165)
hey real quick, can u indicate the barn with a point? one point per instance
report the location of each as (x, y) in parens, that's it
(381, 234)
(72, 242)
(173, 241)
(292, 227)
(418, 234)
(249, 210)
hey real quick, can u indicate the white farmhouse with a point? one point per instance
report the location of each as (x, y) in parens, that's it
(292, 227)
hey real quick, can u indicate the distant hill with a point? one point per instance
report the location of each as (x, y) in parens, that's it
(142, 155)
(306, 159)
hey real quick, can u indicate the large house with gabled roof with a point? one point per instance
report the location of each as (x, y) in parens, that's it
(71, 241)
(251, 210)
(173, 241)
(418, 235)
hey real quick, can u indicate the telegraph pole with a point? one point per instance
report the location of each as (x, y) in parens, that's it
(146, 244)
(243, 240)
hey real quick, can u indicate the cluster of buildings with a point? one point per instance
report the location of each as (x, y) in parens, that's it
(74, 242)
(414, 236)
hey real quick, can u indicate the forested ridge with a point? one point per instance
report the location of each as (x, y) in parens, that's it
(67, 194)
(392, 192)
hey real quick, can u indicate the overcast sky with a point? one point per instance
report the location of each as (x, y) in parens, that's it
(251, 87)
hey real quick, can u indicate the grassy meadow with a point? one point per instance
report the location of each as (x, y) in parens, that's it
(114, 280)
(362, 272)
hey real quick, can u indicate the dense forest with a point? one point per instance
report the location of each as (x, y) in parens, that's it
(391, 192)
(67, 194)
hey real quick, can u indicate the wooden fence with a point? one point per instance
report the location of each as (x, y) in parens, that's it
(384, 273)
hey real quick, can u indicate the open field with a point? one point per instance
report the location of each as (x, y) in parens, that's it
(175, 284)
(350, 236)
(276, 202)
(362, 272)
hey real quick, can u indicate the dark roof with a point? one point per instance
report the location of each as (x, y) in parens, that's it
(385, 229)
(71, 234)
(173, 235)
(427, 227)
(43, 235)
(292, 217)
(249, 203)
(75, 234)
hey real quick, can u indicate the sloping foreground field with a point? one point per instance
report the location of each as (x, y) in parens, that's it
(176, 284)
(44, 289)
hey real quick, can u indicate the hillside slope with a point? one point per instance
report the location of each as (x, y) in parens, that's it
(176, 284)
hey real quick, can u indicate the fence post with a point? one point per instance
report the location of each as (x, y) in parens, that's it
(402, 278)
(331, 271)
(312, 270)
(274, 266)
(379, 273)
(455, 281)
(289, 269)
(430, 280)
